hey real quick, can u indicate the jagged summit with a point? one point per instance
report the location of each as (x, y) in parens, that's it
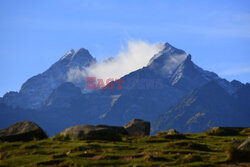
(82, 57)
(172, 85)
(81, 52)
(168, 59)
(169, 48)
(77, 57)
(68, 55)
(36, 89)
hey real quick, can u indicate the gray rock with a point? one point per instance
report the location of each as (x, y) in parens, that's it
(117, 129)
(224, 131)
(138, 127)
(245, 145)
(103, 132)
(172, 132)
(22, 131)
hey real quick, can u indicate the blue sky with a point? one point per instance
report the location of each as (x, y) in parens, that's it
(35, 34)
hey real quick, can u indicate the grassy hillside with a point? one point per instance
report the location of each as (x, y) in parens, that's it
(200, 149)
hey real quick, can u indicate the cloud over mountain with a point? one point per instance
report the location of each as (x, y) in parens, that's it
(135, 56)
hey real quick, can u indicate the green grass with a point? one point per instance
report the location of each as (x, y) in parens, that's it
(198, 149)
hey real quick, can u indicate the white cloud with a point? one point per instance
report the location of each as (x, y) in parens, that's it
(76, 75)
(135, 56)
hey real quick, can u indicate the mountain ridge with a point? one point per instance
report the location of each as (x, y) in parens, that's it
(37, 88)
(147, 93)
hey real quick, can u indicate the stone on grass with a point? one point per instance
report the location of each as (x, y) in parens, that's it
(22, 131)
(138, 127)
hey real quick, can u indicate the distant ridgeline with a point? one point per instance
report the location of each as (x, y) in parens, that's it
(180, 95)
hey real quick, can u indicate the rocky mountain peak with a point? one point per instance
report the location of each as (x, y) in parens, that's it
(68, 55)
(172, 87)
(81, 52)
(36, 89)
(168, 59)
(236, 83)
(82, 57)
(168, 48)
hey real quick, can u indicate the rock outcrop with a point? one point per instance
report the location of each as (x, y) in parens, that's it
(135, 127)
(172, 132)
(224, 131)
(245, 145)
(22, 131)
(99, 132)
(138, 127)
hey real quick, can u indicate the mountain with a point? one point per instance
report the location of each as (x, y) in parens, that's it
(62, 97)
(148, 92)
(206, 107)
(36, 89)
(170, 92)
(66, 106)
(242, 98)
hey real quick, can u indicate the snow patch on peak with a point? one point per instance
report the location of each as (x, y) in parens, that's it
(82, 55)
(81, 52)
(167, 55)
(168, 60)
(76, 55)
(173, 62)
(69, 54)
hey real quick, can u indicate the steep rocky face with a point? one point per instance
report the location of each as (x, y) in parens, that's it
(242, 102)
(36, 89)
(167, 60)
(62, 97)
(237, 84)
(170, 81)
(190, 76)
(177, 66)
(147, 91)
(150, 91)
(205, 107)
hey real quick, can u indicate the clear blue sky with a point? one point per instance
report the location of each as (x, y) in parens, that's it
(34, 34)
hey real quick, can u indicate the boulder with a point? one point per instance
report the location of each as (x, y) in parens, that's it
(245, 145)
(22, 131)
(138, 127)
(172, 132)
(224, 131)
(116, 129)
(99, 132)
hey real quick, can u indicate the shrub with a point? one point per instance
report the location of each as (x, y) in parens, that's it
(175, 136)
(154, 158)
(224, 131)
(60, 137)
(189, 145)
(236, 155)
(191, 158)
(245, 131)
